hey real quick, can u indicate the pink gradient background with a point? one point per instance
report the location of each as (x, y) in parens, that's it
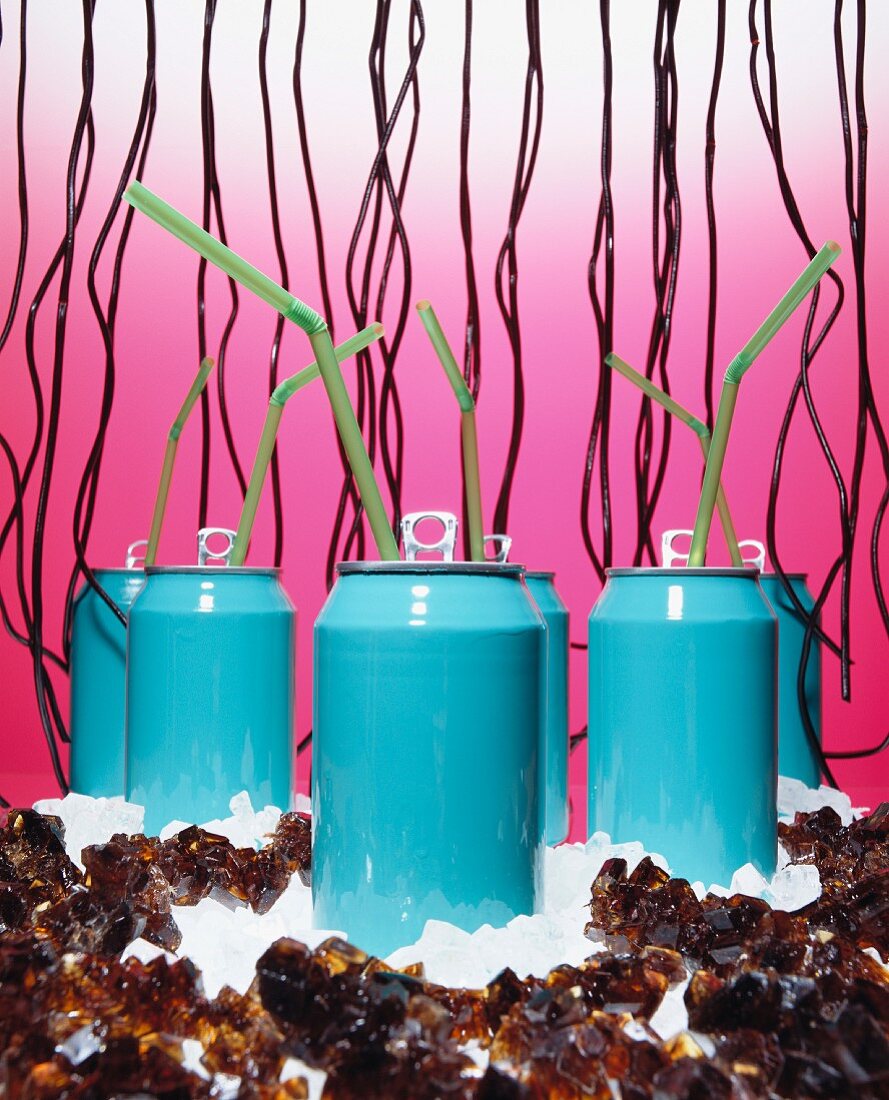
(759, 256)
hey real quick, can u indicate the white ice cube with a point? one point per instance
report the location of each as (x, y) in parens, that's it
(92, 820)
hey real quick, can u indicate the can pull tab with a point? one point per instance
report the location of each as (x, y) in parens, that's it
(206, 554)
(502, 544)
(134, 558)
(758, 561)
(669, 555)
(413, 545)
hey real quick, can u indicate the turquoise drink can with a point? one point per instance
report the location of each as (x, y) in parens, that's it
(682, 718)
(210, 692)
(429, 688)
(98, 683)
(796, 757)
(555, 615)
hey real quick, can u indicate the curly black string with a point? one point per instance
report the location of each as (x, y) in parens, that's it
(348, 493)
(709, 165)
(379, 184)
(856, 204)
(507, 257)
(212, 206)
(666, 270)
(366, 391)
(52, 425)
(390, 346)
(604, 318)
(85, 502)
(16, 516)
(472, 347)
(282, 263)
(770, 120)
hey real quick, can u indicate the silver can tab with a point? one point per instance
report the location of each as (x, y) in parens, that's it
(134, 557)
(758, 561)
(502, 544)
(413, 545)
(207, 556)
(669, 555)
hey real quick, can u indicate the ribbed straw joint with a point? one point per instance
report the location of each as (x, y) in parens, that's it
(174, 432)
(737, 368)
(307, 318)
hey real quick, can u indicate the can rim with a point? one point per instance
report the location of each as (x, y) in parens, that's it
(117, 569)
(539, 575)
(693, 571)
(772, 576)
(215, 570)
(458, 568)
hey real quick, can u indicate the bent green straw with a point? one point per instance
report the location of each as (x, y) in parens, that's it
(701, 431)
(741, 363)
(163, 488)
(314, 326)
(468, 433)
(280, 396)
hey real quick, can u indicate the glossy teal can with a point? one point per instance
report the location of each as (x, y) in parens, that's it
(555, 614)
(98, 683)
(796, 757)
(429, 685)
(210, 692)
(682, 718)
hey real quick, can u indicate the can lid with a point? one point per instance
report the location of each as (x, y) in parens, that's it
(449, 568)
(686, 571)
(208, 570)
(790, 576)
(119, 570)
(539, 575)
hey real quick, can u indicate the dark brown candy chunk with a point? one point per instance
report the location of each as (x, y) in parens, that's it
(32, 847)
(293, 1089)
(692, 1079)
(646, 908)
(292, 838)
(115, 878)
(198, 864)
(752, 1058)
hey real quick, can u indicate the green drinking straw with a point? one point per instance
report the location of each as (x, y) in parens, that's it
(163, 488)
(701, 431)
(732, 380)
(468, 433)
(280, 396)
(314, 326)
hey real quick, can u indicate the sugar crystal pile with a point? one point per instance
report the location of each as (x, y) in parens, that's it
(187, 966)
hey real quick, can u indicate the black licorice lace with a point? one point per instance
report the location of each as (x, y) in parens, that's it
(282, 263)
(507, 296)
(856, 203)
(48, 713)
(770, 120)
(379, 185)
(212, 207)
(709, 165)
(85, 502)
(348, 493)
(472, 341)
(16, 515)
(390, 403)
(848, 502)
(604, 317)
(666, 270)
